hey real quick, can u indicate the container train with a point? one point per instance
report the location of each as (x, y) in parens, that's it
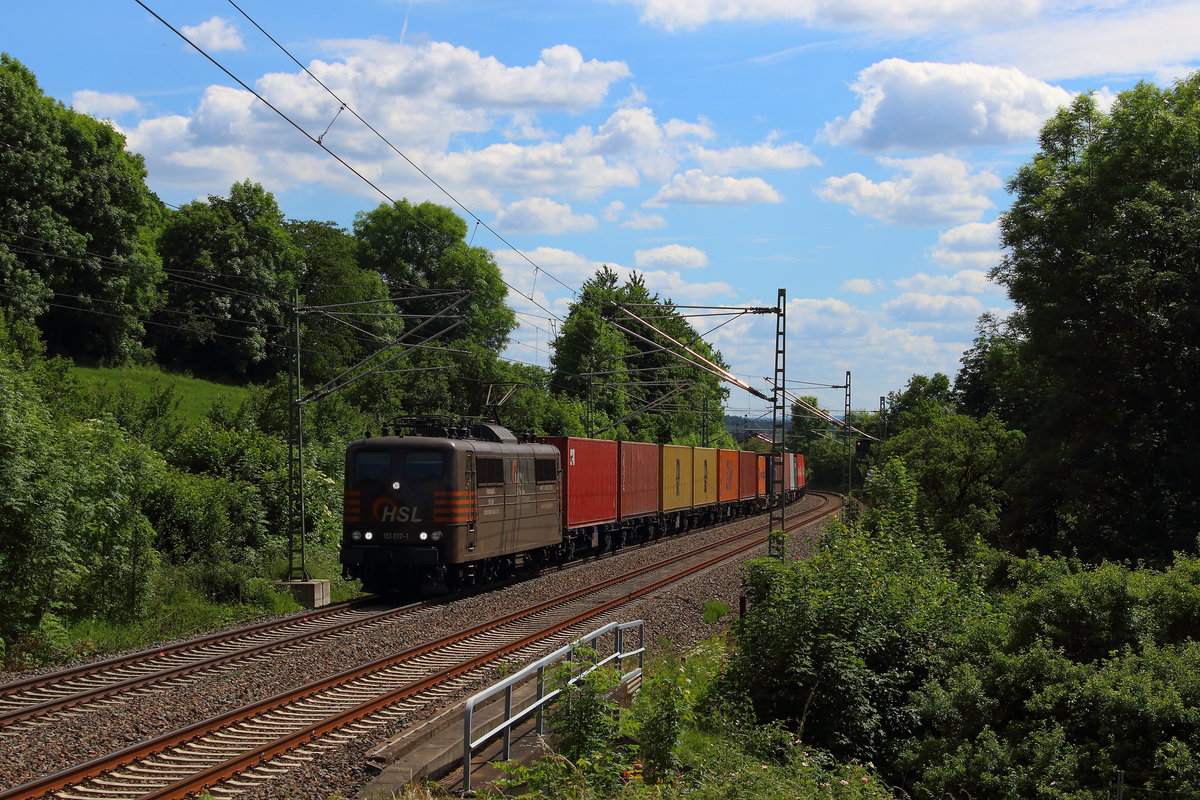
(442, 504)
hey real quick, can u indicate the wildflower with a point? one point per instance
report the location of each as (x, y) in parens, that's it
(865, 779)
(844, 783)
(764, 766)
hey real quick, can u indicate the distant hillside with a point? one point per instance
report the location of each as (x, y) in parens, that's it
(739, 427)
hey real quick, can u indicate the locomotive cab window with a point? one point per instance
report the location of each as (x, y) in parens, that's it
(545, 470)
(373, 464)
(491, 471)
(424, 465)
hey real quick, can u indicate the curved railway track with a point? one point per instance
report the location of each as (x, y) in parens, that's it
(235, 751)
(38, 699)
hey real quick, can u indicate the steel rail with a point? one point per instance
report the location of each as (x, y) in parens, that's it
(214, 775)
(149, 653)
(123, 684)
(63, 780)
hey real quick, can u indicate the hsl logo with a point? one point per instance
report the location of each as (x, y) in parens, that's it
(385, 510)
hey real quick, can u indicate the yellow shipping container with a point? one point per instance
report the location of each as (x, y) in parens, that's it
(676, 468)
(704, 476)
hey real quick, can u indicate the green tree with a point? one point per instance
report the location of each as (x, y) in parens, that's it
(923, 399)
(806, 428)
(1103, 263)
(623, 377)
(959, 465)
(421, 250)
(329, 276)
(232, 266)
(76, 249)
(996, 377)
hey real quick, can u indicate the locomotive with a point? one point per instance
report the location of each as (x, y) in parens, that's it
(442, 504)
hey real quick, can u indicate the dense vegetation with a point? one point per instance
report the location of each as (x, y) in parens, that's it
(928, 640)
(145, 510)
(1011, 616)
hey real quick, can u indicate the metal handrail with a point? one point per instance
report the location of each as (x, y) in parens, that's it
(542, 697)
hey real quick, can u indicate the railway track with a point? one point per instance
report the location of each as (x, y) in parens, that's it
(39, 699)
(233, 752)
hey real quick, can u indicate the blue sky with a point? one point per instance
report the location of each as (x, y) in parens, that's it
(852, 152)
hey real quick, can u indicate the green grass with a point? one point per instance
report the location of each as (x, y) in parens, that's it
(196, 396)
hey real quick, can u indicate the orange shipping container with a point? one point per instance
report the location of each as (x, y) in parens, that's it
(676, 477)
(727, 475)
(747, 474)
(704, 476)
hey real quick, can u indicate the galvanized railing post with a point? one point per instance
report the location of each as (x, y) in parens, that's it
(641, 648)
(507, 716)
(466, 765)
(538, 668)
(539, 725)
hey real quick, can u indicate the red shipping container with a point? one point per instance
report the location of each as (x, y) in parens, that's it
(800, 470)
(747, 475)
(589, 480)
(763, 488)
(727, 475)
(638, 476)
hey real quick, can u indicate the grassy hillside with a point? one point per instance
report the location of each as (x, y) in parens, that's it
(196, 396)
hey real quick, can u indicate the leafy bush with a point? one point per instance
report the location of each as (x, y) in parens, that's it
(832, 646)
(1073, 673)
(204, 516)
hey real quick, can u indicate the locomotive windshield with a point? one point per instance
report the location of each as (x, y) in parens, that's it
(413, 465)
(423, 465)
(376, 464)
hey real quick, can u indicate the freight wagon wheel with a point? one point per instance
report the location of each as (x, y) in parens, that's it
(566, 551)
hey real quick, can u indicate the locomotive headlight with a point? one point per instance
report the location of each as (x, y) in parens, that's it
(368, 536)
(356, 535)
(396, 484)
(423, 536)
(436, 536)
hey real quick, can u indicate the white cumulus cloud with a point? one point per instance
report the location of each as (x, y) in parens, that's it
(215, 34)
(574, 268)
(560, 79)
(931, 106)
(973, 245)
(639, 221)
(87, 101)
(863, 285)
(671, 256)
(760, 156)
(697, 187)
(937, 190)
(967, 281)
(1102, 39)
(543, 215)
(824, 318)
(870, 15)
(933, 307)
